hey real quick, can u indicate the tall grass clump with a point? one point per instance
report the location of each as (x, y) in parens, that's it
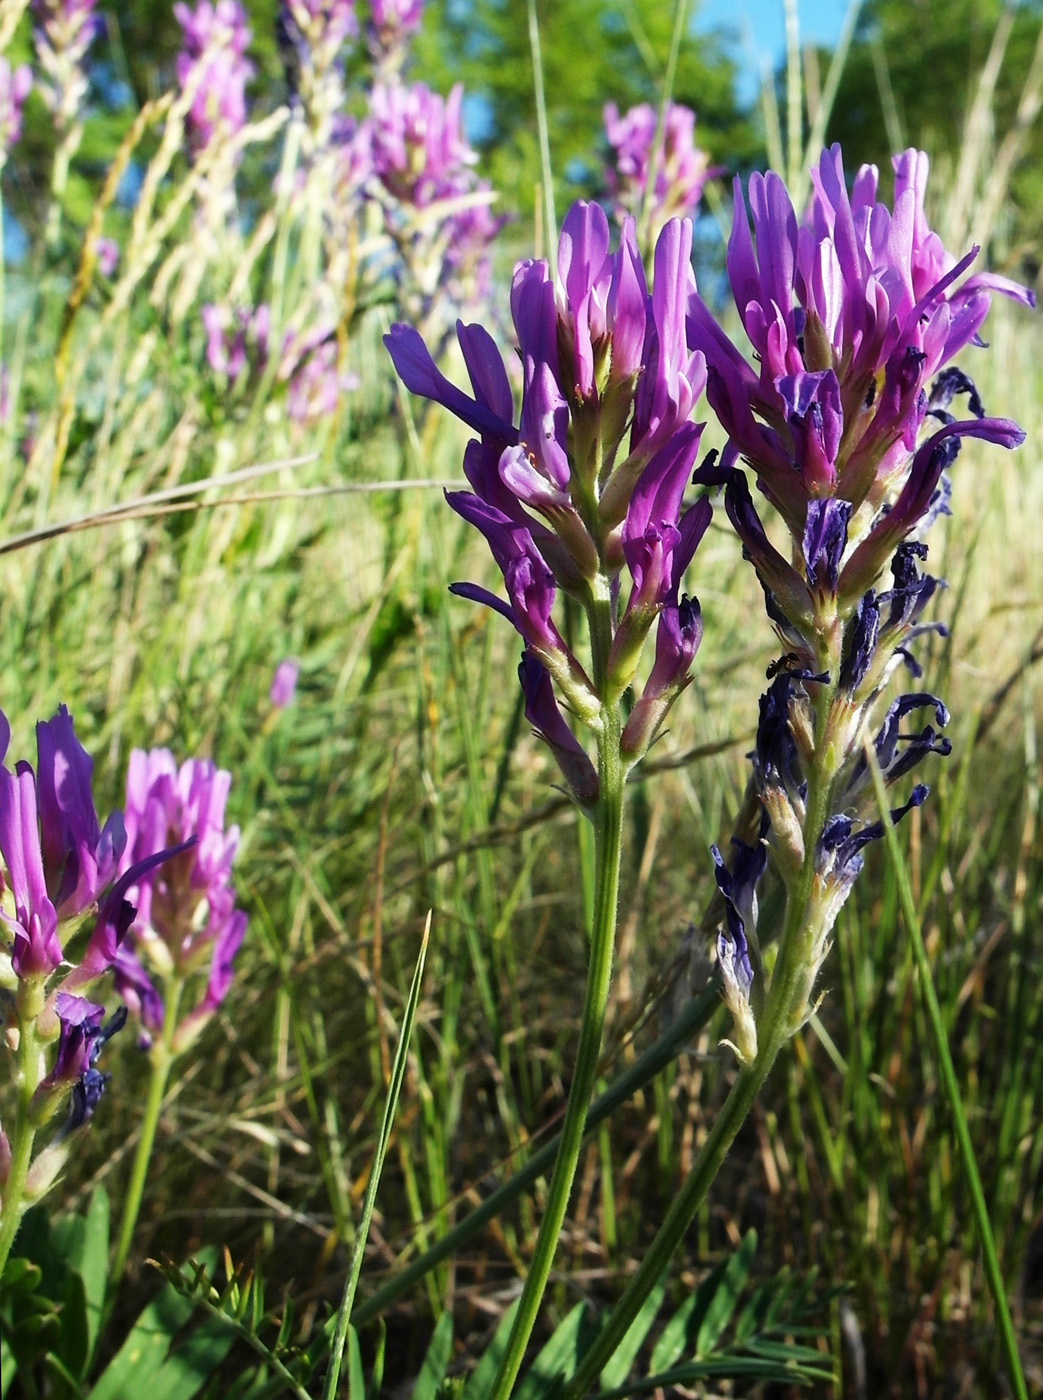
(300, 1091)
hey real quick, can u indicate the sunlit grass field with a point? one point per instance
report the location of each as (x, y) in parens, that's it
(403, 780)
(169, 537)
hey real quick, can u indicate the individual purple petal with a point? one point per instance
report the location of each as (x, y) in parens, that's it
(542, 712)
(930, 460)
(37, 950)
(825, 539)
(420, 375)
(77, 858)
(284, 684)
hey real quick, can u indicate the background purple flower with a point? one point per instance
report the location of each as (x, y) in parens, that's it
(186, 918)
(213, 62)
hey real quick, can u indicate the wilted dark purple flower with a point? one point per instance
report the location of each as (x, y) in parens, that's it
(81, 1040)
(737, 888)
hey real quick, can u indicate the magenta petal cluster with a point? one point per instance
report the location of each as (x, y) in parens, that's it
(681, 168)
(213, 65)
(58, 858)
(186, 920)
(851, 312)
(15, 86)
(589, 480)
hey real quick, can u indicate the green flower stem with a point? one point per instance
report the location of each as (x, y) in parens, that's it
(968, 1162)
(608, 841)
(162, 1061)
(22, 1140)
(784, 1008)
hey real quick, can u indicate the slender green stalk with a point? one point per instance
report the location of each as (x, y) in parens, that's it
(648, 203)
(398, 1074)
(950, 1085)
(783, 1010)
(161, 1058)
(693, 1019)
(22, 1139)
(546, 170)
(608, 843)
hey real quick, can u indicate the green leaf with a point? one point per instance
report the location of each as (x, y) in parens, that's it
(356, 1377)
(624, 1356)
(480, 1382)
(729, 1281)
(74, 1347)
(436, 1362)
(187, 1369)
(376, 1379)
(137, 1364)
(558, 1359)
(136, 1367)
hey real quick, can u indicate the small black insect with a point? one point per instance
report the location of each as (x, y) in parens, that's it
(784, 662)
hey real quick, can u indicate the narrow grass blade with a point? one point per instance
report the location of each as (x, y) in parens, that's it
(950, 1085)
(398, 1074)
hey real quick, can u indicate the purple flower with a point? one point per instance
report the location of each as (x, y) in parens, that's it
(394, 22)
(79, 857)
(417, 143)
(563, 500)
(212, 65)
(107, 251)
(284, 684)
(81, 1040)
(236, 340)
(15, 85)
(530, 584)
(315, 381)
(36, 950)
(658, 541)
(681, 168)
(312, 35)
(542, 712)
(186, 917)
(63, 33)
(850, 313)
(58, 859)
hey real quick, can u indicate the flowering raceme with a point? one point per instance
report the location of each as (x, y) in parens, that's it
(186, 921)
(60, 881)
(681, 168)
(591, 479)
(851, 314)
(213, 63)
(15, 86)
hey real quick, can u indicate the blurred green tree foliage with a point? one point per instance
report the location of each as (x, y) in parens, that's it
(594, 51)
(912, 75)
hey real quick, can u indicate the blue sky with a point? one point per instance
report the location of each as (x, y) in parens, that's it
(760, 29)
